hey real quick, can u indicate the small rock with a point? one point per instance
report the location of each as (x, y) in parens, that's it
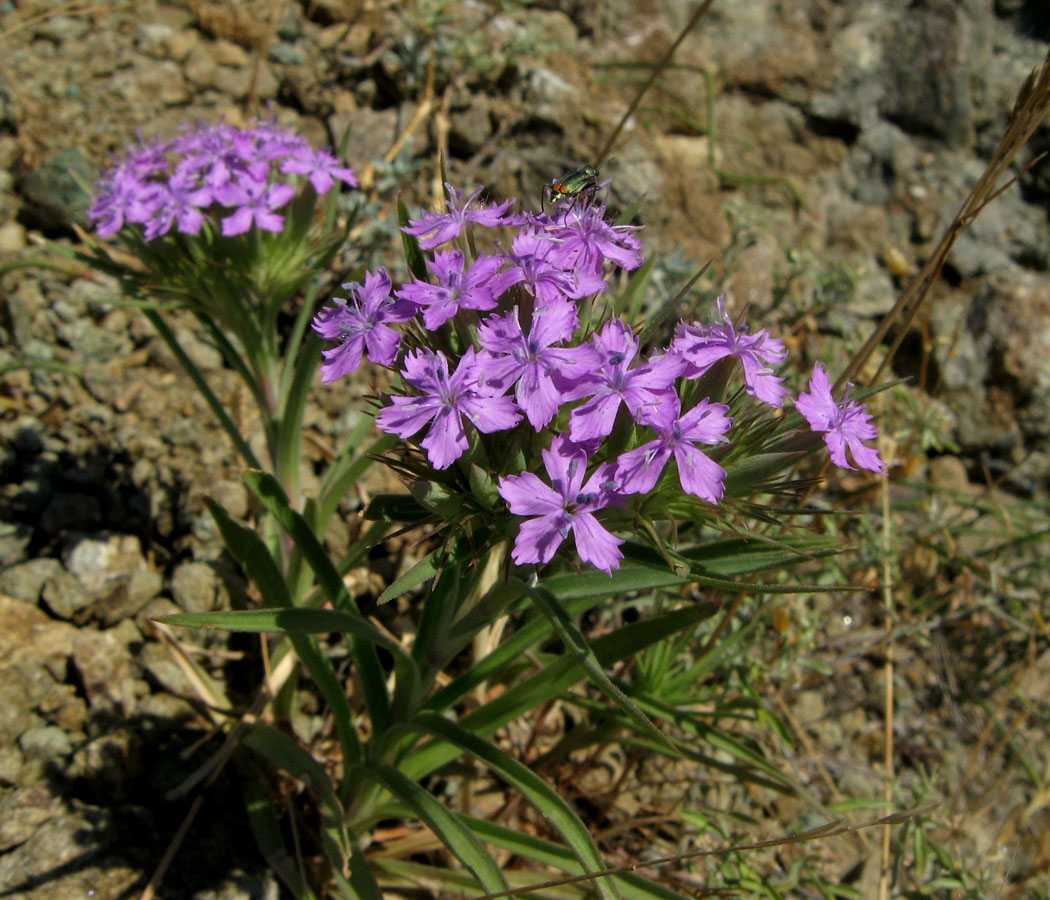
(284, 54)
(63, 29)
(227, 53)
(14, 540)
(109, 763)
(328, 11)
(99, 562)
(47, 743)
(202, 354)
(156, 660)
(104, 667)
(55, 192)
(232, 496)
(23, 582)
(154, 39)
(11, 762)
(200, 68)
(23, 811)
(247, 81)
(196, 588)
(12, 238)
(291, 25)
(182, 43)
(64, 596)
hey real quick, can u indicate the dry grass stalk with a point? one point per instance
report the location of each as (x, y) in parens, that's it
(1030, 111)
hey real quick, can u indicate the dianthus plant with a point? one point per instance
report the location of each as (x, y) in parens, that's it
(558, 454)
(222, 222)
(539, 415)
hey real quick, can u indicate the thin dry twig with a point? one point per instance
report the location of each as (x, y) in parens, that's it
(1030, 111)
(694, 20)
(887, 599)
(829, 829)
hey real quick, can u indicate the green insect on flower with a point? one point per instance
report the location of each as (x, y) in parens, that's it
(573, 183)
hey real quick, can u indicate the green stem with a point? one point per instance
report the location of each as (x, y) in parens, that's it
(198, 380)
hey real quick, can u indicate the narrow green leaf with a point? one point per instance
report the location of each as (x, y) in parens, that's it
(422, 571)
(540, 794)
(574, 641)
(555, 678)
(398, 508)
(199, 382)
(289, 756)
(631, 886)
(253, 555)
(250, 550)
(634, 294)
(296, 620)
(444, 823)
(373, 679)
(266, 829)
(413, 255)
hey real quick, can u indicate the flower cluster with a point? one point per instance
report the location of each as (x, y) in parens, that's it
(497, 341)
(245, 175)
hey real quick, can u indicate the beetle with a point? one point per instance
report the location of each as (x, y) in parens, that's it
(573, 183)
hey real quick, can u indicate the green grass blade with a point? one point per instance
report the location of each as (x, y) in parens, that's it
(542, 796)
(253, 554)
(456, 836)
(266, 829)
(559, 675)
(289, 756)
(413, 255)
(422, 571)
(373, 680)
(576, 643)
(631, 886)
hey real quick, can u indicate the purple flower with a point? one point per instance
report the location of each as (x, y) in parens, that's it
(548, 272)
(567, 505)
(638, 470)
(174, 183)
(646, 390)
(844, 426)
(584, 233)
(359, 325)
(509, 357)
(445, 400)
(442, 227)
(256, 202)
(477, 288)
(704, 345)
(321, 167)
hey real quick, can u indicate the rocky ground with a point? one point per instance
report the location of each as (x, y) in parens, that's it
(814, 151)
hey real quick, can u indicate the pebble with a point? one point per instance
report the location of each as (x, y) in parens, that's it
(12, 237)
(227, 53)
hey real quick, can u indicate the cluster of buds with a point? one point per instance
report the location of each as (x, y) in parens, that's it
(505, 342)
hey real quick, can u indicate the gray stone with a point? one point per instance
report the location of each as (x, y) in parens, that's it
(104, 668)
(11, 762)
(100, 561)
(196, 588)
(47, 743)
(55, 194)
(14, 539)
(202, 354)
(64, 596)
(929, 53)
(157, 661)
(285, 54)
(110, 763)
(22, 812)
